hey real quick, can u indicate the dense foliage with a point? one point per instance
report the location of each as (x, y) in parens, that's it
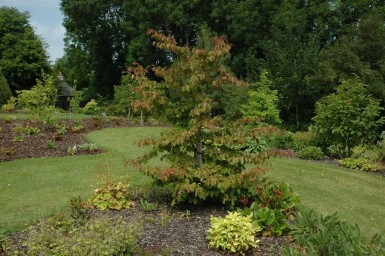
(328, 235)
(233, 233)
(22, 52)
(5, 92)
(348, 118)
(207, 153)
(307, 46)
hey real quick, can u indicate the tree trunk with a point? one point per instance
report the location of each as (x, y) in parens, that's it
(198, 150)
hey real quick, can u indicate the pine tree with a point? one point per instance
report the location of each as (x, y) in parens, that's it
(5, 91)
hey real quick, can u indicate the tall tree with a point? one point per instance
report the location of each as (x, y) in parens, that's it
(205, 151)
(22, 52)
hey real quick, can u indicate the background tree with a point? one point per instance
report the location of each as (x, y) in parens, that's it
(262, 102)
(22, 53)
(5, 92)
(206, 152)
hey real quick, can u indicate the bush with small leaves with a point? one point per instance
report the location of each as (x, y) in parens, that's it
(233, 233)
(65, 236)
(311, 153)
(91, 108)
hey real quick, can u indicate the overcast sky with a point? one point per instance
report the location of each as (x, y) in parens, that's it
(46, 18)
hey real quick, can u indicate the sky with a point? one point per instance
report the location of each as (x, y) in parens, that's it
(46, 18)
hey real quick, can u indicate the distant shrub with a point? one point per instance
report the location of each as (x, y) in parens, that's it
(361, 164)
(282, 140)
(348, 118)
(10, 105)
(362, 151)
(304, 139)
(311, 153)
(91, 108)
(5, 91)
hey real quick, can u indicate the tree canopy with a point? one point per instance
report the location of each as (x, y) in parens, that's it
(22, 53)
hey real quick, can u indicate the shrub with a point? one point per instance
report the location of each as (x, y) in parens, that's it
(40, 100)
(370, 153)
(27, 130)
(5, 91)
(319, 235)
(277, 196)
(311, 152)
(282, 140)
(348, 118)
(10, 105)
(304, 139)
(262, 103)
(91, 108)
(361, 164)
(269, 221)
(233, 233)
(111, 196)
(123, 96)
(63, 236)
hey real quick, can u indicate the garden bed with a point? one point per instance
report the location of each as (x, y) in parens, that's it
(49, 142)
(175, 231)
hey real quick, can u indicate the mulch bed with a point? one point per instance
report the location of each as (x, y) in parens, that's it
(40, 145)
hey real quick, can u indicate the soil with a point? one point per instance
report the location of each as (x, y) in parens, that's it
(49, 142)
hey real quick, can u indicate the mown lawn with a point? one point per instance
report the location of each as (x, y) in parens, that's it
(31, 189)
(35, 188)
(359, 197)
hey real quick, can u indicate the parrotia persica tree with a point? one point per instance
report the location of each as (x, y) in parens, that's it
(207, 154)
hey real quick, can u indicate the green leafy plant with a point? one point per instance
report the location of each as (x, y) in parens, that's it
(78, 128)
(40, 100)
(361, 164)
(277, 196)
(233, 233)
(88, 146)
(79, 208)
(27, 130)
(91, 108)
(262, 102)
(271, 222)
(147, 206)
(311, 152)
(348, 118)
(72, 150)
(281, 139)
(98, 236)
(328, 235)
(49, 144)
(10, 105)
(110, 195)
(304, 139)
(18, 138)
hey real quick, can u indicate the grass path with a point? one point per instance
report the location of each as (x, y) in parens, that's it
(359, 197)
(31, 189)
